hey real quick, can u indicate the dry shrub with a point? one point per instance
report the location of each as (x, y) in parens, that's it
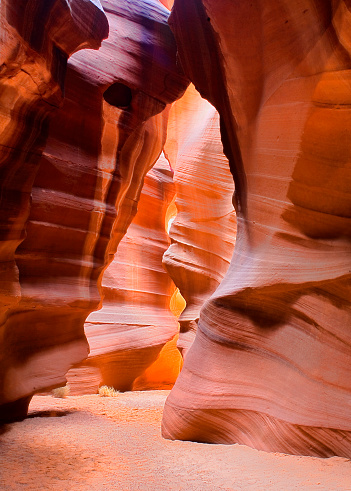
(61, 392)
(105, 391)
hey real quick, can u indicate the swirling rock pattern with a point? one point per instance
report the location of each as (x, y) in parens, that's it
(36, 38)
(203, 232)
(270, 365)
(127, 335)
(107, 135)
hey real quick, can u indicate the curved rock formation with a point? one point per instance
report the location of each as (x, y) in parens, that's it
(36, 38)
(109, 132)
(127, 335)
(203, 232)
(270, 365)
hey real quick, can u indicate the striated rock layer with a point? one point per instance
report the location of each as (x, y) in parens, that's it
(127, 335)
(107, 135)
(270, 365)
(36, 38)
(203, 231)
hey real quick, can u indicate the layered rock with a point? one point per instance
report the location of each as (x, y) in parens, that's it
(127, 335)
(204, 229)
(36, 38)
(270, 365)
(101, 143)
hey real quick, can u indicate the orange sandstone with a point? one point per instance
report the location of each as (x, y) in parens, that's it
(101, 143)
(270, 365)
(130, 337)
(36, 38)
(203, 231)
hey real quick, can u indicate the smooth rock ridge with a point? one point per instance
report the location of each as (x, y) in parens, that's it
(204, 229)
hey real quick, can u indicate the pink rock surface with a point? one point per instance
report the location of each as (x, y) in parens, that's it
(203, 231)
(36, 38)
(107, 135)
(270, 365)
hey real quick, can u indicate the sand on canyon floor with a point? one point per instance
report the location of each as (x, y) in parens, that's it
(114, 443)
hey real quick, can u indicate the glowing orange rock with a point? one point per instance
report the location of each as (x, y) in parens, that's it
(204, 229)
(101, 143)
(36, 38)
(127, 335)
(270, 365)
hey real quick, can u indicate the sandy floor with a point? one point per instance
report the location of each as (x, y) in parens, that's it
(95, 443)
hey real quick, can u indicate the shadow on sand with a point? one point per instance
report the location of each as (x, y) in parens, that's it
(48, 414)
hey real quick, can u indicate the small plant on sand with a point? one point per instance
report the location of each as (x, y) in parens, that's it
(61, 392)
(105, 391)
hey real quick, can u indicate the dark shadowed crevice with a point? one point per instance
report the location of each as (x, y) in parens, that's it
(118, 95)
(205, 68)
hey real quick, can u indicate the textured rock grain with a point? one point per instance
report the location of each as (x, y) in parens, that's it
(127, 335)
(270, 366)
(203, 231)
(36, 38)
(107, 135)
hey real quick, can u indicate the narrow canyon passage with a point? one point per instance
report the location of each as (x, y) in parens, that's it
(210, 144)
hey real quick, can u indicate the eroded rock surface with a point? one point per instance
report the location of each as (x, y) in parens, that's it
(270, 365)
(36, 38)
(107, 135)
(204, 229)
(135, 323)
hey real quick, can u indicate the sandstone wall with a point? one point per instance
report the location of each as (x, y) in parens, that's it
(127, 335)
(36, 38)
(107, 135)
(203, 231)
(270, 365)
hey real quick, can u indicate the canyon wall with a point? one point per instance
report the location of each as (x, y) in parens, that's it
(135, 323)
(36, 39)
(204, 229)
(130, 338)
(270, 364)
(102, 141)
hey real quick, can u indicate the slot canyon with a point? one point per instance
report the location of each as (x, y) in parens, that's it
(175, 225)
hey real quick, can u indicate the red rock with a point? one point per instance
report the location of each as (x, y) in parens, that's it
(33, 58)
(270, 365)
(107, 135)
(35, 41)
(127, 335)
(204, 229)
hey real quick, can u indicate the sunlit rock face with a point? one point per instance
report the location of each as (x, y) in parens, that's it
(270, 365)
(107, 135)
(203, 231)
(36, 39)
(127, 335)
(167, 3)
